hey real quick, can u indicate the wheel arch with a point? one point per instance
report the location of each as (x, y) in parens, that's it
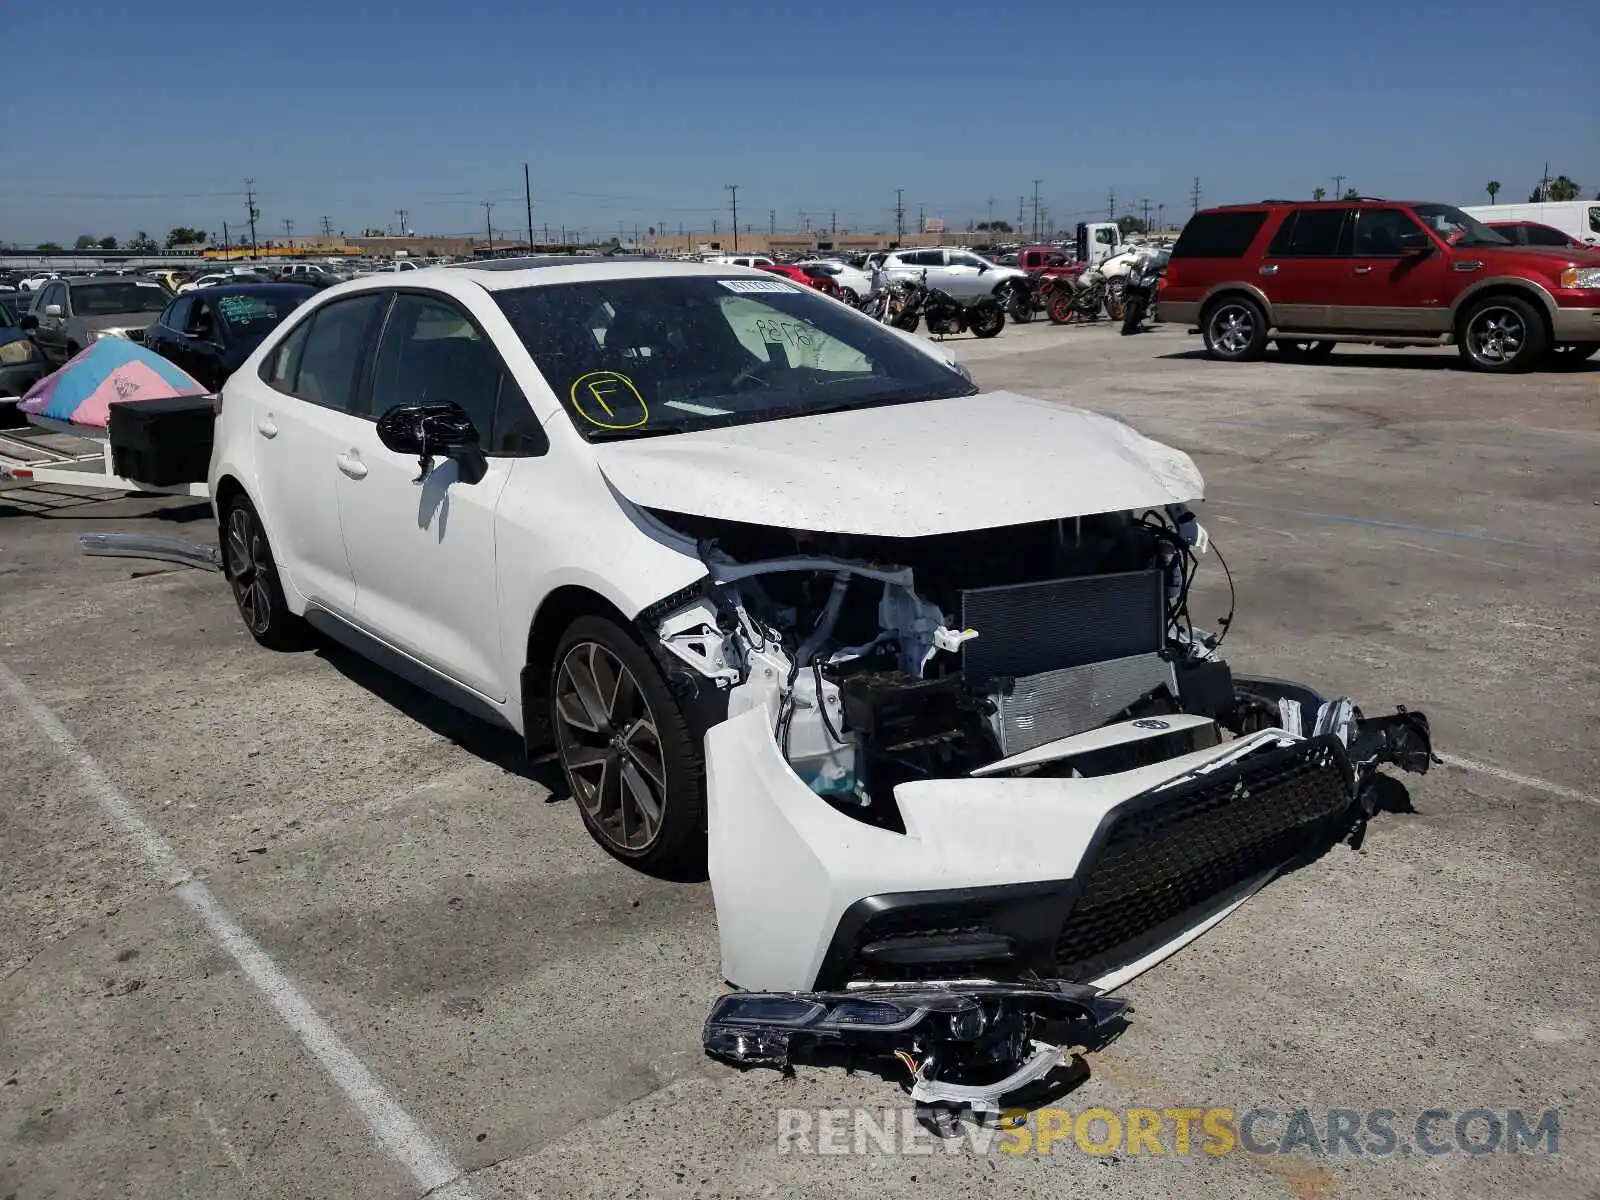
(1226, 290)
(227, 490)
(559, 609)
(1506, 285)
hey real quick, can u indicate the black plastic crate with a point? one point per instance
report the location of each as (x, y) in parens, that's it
(162, 442)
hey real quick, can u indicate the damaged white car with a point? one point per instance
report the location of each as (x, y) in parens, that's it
(908, 667)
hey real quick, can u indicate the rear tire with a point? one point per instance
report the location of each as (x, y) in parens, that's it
(252, 573)
(633, 768)
(1235, 330)
(1060, 309)
(1501, 335)
(1295, 351)
(987, 321)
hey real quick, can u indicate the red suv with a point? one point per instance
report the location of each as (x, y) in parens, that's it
(1392, 273)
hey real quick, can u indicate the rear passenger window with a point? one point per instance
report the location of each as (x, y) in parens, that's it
(1219, 234)
(1539, 235)
(1309, 233)
(320, 361)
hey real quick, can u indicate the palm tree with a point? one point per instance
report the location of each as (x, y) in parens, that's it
(1493, 188)
(1561, 188)
(1319, 193)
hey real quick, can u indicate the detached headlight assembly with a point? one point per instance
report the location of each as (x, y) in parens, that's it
(1581, 277)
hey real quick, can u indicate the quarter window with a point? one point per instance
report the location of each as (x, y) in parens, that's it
(1219, 234)
(1543, 235)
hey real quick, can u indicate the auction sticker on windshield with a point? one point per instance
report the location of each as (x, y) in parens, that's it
(609, 399)
(757, 285)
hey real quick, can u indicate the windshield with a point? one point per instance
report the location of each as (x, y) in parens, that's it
(639, 357)
(251, 318)
(122, 296)
(1455, 227)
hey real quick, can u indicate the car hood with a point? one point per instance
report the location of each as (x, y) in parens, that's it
(133, 320)
(906, 470)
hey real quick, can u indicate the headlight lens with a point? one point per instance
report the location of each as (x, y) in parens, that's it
(20, 351)
(1581, 277)
(96, 334)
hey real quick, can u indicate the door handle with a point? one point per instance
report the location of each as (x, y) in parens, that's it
(1267, 270)
(1363, 270)
(266, 427)
(352, 466)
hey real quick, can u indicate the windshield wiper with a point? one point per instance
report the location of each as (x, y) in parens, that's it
(642, 431)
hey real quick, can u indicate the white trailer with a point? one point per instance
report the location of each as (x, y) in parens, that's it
(32, 456)
(1579, 219)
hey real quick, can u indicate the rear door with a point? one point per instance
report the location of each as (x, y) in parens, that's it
(1305, 266)
(305, 419)
(1391, 292)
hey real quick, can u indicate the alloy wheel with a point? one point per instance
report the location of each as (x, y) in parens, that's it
(1232, 329)
(1496, 336)
(249, 569)
(610, 746)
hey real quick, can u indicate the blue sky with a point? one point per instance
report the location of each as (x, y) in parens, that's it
(641, 112)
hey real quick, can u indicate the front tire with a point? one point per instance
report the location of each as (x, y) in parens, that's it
(1501, 335)
(907, 321)
(625, 747)
(1132, 316)
(252, 573)
(1235, 330)
(1304, 351)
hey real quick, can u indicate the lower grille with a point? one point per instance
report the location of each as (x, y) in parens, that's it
(1176, 855)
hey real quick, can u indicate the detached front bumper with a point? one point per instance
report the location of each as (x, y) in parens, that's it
(1090, 880)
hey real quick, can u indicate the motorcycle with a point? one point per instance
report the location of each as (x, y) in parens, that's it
(1078, 298)
(1023, 298)
(945, 314)
(1139, 291)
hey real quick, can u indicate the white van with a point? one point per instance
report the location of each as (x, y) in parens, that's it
(1578, 219)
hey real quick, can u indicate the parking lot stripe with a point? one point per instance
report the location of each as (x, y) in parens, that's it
(1527, 781)
(429, 1164)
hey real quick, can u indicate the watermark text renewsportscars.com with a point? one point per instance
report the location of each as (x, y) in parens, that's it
(1320, 1133)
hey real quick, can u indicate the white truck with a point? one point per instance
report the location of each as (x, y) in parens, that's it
(1578, 219)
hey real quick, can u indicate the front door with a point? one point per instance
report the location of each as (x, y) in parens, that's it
(1304, 267)
(423, 550)
(966, 276)
(1388, 291)
(304, 420)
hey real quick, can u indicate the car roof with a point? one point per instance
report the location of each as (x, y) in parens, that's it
(504, 274)
(259, 289)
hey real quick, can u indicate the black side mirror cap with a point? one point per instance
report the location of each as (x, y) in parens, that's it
(429, 430)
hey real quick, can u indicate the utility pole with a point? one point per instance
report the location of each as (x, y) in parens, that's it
(1146, 204)
(772, 223)
(527, 198)
(252, 210)
(488, 222)
(327, 227)
(833, 221)
(225, 242)
(1036, 210)
(1338, 187)
(1020, 202)
(288, 229)
(1161, 221)
(733, 199)
(1194, 194)
(403, 213)
(1111, 205)
(991, 212)
(899, 215)
(922, 220)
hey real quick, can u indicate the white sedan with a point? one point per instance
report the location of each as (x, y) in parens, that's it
(857, 282)
(905, 666)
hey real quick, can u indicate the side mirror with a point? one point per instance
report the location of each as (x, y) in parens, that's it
(27, 321)
(429, 431)
(52, 310)
(1414, 244)
(982, 267)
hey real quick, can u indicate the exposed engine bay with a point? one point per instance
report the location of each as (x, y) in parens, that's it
(996, 772)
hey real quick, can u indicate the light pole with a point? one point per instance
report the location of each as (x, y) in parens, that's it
(733, 199)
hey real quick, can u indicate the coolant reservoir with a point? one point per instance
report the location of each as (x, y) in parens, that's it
(824, 764)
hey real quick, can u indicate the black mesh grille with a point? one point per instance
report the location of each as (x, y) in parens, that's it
(1161, 865)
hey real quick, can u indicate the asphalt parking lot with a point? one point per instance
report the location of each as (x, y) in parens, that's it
(506, 1000)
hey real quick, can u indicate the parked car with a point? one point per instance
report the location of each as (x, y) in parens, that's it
(313, 274)
(960, 273)
(858, 283)
(209, 333)
(741, 260)
(21, 363)
(217, 278)
(69, 314)
(1394, 273)
(594, 503)
(1532, 233)
(1578, 219)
